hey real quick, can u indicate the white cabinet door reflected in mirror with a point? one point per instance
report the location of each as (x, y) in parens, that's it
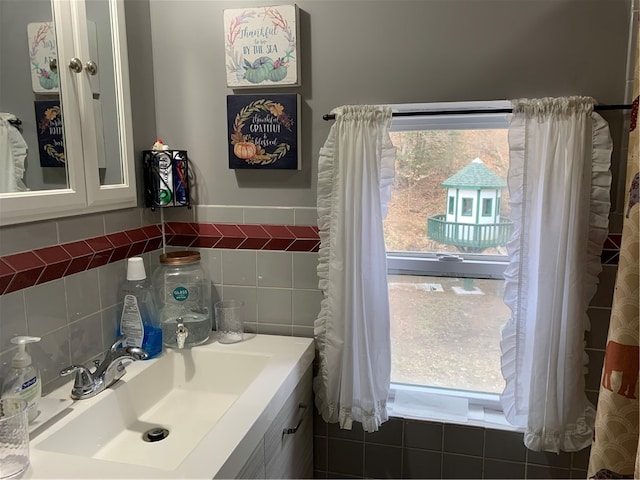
(65, 118)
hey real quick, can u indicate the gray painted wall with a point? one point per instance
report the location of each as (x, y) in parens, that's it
(387, 51)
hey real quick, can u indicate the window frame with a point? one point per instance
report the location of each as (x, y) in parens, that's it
(460, 265)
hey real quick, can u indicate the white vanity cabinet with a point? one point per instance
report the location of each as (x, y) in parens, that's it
(86, 51)
(255, 467)
(286, 455)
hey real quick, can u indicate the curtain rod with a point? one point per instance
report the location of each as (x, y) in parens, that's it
(467, 111)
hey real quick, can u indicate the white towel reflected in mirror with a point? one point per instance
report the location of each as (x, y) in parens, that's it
(13, 152)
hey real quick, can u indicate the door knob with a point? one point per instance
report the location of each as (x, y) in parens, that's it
(91, 67)
(75, 65)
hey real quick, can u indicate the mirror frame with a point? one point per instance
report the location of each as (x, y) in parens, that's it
(84, 193)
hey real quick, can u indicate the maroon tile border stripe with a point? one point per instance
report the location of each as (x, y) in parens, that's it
(286, 238)
(26, 269)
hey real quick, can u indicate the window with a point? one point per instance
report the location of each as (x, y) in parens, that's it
(467, 207)
(487, 207)
(445, 272)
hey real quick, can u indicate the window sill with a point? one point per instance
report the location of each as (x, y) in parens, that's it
(448, 406)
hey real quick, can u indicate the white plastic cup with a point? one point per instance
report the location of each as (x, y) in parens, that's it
(229, 321)
(14, 437)
(135, 269)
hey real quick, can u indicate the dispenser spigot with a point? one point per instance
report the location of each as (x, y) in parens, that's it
(182, 333)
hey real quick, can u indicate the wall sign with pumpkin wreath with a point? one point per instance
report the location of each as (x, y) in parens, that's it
(263, 131)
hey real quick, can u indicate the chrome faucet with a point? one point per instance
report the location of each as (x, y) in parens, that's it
(88, 384)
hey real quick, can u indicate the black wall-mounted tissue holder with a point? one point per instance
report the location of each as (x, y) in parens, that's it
(166, 178)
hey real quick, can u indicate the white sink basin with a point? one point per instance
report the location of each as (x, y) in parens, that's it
(172, 394)
(210, 399)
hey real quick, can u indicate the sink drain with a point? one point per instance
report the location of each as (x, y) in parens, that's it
(155, 434)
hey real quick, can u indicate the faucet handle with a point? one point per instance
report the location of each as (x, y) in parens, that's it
(136, 353)
(84, 380)
(117, 342)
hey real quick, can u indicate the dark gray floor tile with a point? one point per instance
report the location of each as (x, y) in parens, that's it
(596, 337)
(382, 461)
(320, 445)
(545, 471)
(390, 433)
(580, 459)
(421, 464)
(466, 440)
(320, 427)
(503, 445)
(345, 457)
(461, 466)
(594, 370)
(426, 435)
(501, 469)
(562, 459)
(340, 475)
(592, 396)
(356, 432)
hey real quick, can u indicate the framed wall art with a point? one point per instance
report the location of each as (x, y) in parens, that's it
(43, 55)
(264, 131)
(261, 46)
(50, 134)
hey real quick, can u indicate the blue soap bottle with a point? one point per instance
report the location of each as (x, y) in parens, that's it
(139, 322)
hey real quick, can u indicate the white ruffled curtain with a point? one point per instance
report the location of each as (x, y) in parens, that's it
(559, 183)
(352, 331)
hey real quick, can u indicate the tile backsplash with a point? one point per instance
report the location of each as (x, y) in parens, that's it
(64, 286)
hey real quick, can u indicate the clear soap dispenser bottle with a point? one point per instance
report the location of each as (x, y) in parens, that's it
(23, 380)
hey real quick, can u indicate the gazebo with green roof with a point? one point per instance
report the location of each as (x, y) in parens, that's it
(472, 222)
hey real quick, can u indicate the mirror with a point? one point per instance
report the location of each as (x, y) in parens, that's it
(31, 133)
(31, 109)
(105, 92)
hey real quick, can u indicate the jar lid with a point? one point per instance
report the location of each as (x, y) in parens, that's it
(180, 258)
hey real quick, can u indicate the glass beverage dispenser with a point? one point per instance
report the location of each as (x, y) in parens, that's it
(183, 298)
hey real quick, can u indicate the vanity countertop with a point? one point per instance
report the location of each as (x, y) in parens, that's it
(222, 450)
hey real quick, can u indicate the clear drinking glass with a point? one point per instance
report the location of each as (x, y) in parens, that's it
(229, 320)
(14, 437)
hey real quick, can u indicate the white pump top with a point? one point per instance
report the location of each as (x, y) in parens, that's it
(22, 359)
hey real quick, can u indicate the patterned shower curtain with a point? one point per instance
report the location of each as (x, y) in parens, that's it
(614, 453)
